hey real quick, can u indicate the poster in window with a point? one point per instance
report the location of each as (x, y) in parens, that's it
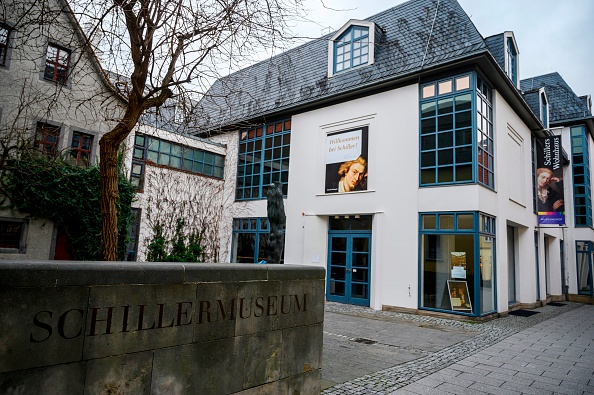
(458, 264)
(459, 297)
(346, 161)
(549, 181)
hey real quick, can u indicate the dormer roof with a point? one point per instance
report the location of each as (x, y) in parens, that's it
(564, 104)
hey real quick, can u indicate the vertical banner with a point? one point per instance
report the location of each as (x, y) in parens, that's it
(346, 161)
(549, 181)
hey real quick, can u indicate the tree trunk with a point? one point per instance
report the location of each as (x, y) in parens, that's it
(108, 166)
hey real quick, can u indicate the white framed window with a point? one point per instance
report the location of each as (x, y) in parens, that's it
(351, 46)
(512, 55)
(544, 108)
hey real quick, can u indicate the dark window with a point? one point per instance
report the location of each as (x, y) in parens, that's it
(132, 248)
(4, 43)
(250, 241)
(46, 139)
(80, 149)
(12, 235)
(581, 176)
(263, 158)
(57, 63)
(177, 156)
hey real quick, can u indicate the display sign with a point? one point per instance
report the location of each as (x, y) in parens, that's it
(459, 297)
(549, 181)
(345, 157)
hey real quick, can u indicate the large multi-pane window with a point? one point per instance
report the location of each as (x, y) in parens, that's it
(80, 148)
(57, 64)
(177, 156)
(457, 260)
(456, 139)
(351, 49)
(46, 139)
(263, 159)
(580, 165)
(250, 241)
(4, 43)
(484, 133)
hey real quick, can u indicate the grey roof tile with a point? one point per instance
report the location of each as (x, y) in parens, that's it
(564, 104)
(496, 45)
(299, 76)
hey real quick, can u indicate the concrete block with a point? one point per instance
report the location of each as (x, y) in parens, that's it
(299, 352)
(41, 326)
(124, 374)
(131, 318)
(52, 380)
(215, 311)
(214, 367)
(263, 358)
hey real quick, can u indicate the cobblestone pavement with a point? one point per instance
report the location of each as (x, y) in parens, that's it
(546, 353)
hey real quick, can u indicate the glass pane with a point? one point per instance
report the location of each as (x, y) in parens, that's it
(445, 106)
(337, 273)
(244, 247)
(428, 109)
(359, 291)
(337, 287)
(463, 102)
(360, 260)
(428, 91)
(338, 244)
(486, 276)
(361, 223)
(465, 221)
(463, 83)
(445, 87)
(446, 221)
(361, 275)
(360, 244)
(429, 221)
(338, 258)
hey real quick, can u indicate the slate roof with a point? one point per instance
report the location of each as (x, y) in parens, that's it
(496, 46)
(299, 76)
(564, 104)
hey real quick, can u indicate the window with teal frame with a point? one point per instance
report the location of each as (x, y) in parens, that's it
(250, 241)
(457, 263)
(351, 49)
(263, 158)
(173, 155)
(583, 257)
(580, 165)
(456, 132)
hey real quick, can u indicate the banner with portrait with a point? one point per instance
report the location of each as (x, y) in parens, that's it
(345, 156)
(550, 200)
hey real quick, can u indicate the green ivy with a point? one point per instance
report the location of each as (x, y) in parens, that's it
(183, 248)
(68, 195)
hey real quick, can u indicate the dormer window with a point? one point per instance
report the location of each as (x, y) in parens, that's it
(544, 110)
(511, 58)
(352, 46)
(351, 49)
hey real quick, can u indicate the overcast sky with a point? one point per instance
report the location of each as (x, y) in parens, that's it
(552, 35)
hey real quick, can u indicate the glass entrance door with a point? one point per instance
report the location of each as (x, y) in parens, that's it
(349, 258)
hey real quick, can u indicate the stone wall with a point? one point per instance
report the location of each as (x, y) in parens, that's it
(140, 328)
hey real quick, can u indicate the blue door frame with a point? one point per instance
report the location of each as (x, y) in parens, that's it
(349, 267)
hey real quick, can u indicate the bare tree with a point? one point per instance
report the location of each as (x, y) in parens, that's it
(168, 49)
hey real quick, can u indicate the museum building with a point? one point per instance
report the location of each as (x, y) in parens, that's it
(407, 145)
